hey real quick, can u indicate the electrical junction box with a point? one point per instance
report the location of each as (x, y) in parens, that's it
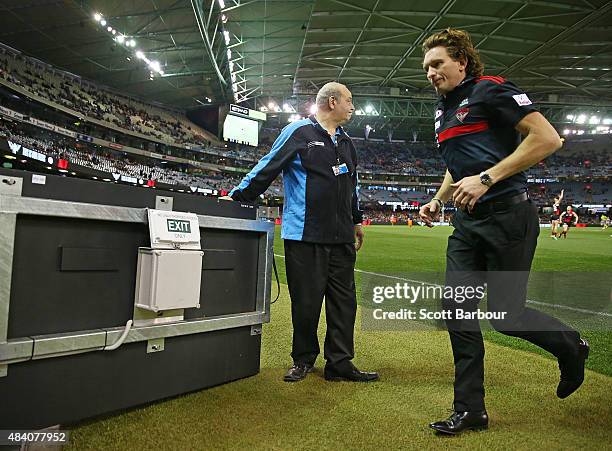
(168, 279)
(169, 273)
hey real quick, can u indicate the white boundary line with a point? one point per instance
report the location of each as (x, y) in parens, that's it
(529, 301)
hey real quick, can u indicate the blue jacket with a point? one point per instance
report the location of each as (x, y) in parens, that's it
(319, 207)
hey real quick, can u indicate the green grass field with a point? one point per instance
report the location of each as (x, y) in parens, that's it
(263, 412)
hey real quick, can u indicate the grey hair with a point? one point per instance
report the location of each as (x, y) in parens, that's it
(328, 90)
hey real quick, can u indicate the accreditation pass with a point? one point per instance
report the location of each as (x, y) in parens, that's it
(340, 169)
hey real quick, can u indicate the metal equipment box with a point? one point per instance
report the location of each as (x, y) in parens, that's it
(68, 260)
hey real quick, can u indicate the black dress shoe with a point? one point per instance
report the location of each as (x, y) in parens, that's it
(572, 371)
(298, 372)
(462, 421)
(351, 375)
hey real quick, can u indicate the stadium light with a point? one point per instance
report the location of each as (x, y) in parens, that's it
(120, 39)
(139, 54)
(594, 120)
(229, 54)
(155, 66)
(97, 17)
(226, 36)
(109, 28)
(570, 117)
(221, 4)
(114, 32)
(223, 18)
(368, 109)
(103, 22)
(566, 132)
(581, 119)
(271, 105)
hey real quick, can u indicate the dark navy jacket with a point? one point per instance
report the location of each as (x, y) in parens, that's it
(474, 125)
(319, 206)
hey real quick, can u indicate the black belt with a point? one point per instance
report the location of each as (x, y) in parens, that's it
(497, 205)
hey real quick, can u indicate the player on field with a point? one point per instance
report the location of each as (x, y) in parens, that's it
(568, 218)
(554, 219)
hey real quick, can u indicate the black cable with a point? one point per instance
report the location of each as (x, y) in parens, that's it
(277, 280)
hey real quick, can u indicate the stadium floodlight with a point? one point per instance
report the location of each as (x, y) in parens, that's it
(223, 18)
(271, 105)
(97, 17)
(155, 66)
(139, 54)
(566, 132)
(233, 76)
(120, 39)
(607, 121)
(161, 72)
(570, 117)
(109, 28)
(131, 43)
(581, 119)
(221, 4)
(114, 32)
(103, 22)
(229, 54)
(226, 36)
(287, 108)
(368, 109)
(594, 120)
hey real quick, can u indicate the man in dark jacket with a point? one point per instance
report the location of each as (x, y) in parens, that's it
(321, 228)
(479, 121)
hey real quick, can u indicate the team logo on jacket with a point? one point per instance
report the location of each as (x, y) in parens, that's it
(522, 99)
(311, 144)
(461, 114)
(464, 102)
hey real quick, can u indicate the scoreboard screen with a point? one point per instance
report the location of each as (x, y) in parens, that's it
(241, 130)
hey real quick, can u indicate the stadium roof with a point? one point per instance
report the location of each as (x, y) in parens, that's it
(285, 48)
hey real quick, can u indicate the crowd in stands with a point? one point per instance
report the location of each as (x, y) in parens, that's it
(583, 162)
(94, 102)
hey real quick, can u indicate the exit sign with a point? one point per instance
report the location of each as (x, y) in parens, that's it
(178, 225)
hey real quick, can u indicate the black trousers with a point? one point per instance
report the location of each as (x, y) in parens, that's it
(496, 249)
(315, 271)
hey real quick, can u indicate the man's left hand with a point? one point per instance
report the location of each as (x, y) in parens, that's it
(358, 236)
(467, 192)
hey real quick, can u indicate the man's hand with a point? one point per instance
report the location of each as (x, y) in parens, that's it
(430, 212)
(225, 198)
(467, 191)
(358, 236)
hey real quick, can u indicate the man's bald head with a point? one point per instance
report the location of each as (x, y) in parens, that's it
(331, 89)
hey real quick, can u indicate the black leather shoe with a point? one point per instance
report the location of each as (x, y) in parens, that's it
(352, 375)
(572, 371)
(462, 421)
(298, 372)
